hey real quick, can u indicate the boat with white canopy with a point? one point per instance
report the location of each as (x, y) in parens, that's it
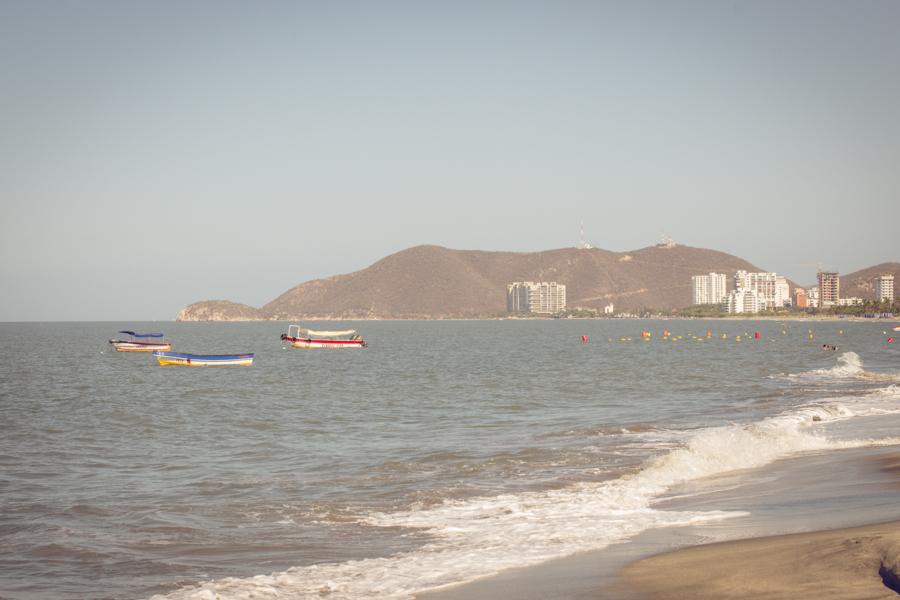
(141, 342)
(300, 337)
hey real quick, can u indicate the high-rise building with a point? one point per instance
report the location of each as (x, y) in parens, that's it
(743, 300)
(812, 297)
(800, 300)
(884, 288)
(829, 288)
(546, 298)
(708, 289)
(772, 290)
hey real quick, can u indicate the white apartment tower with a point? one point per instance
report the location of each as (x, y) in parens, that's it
(743, 301)
(708, 289)
(884, 288)
(546, 298)
(772, 290)
(812, 297)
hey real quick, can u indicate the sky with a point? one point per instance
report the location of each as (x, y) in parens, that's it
(154, 154)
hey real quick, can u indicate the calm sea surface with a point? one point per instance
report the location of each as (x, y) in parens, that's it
(443, 452)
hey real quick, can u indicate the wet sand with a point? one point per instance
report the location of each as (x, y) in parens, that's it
(847, 564)
(837, 553)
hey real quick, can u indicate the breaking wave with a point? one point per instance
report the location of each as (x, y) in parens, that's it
(478, 537)
(849, 366)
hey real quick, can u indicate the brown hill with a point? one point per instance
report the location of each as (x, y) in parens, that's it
(436, 282)
(431, 281)
(862, 283)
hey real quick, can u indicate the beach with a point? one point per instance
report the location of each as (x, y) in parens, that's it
(849, 528)
(846, 564)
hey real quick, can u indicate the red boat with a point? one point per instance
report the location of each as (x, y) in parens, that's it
(298, 337)
(139, 342)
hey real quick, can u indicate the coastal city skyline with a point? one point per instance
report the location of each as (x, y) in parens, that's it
(155, 157)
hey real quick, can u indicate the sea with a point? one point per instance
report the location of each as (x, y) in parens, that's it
(445, 452)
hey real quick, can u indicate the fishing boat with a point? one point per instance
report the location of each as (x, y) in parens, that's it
(299, 337)
(140, 342)
(180, 359)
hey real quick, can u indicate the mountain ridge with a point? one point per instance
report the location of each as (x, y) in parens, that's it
(435, 282)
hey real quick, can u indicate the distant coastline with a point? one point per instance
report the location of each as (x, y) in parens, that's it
(436, 283)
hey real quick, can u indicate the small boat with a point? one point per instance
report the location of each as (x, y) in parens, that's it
(180, 359)
(298, 337)
(140, 342)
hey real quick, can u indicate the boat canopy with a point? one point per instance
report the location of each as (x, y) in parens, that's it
(312, 332)
(303, 332)
(142, 335)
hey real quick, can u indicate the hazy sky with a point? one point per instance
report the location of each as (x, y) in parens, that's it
(158, 153)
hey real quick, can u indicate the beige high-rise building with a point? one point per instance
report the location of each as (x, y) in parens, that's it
(829, 288)
(884, 288)
(546, 298)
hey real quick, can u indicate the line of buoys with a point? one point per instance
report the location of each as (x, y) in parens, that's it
(757, 335)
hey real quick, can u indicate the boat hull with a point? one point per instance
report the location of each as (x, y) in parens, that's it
(178, 359)
(127, 346)
(313, 343)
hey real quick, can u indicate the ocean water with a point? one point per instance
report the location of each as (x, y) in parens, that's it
(444, 452)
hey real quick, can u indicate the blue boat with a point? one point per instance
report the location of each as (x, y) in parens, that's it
(179, 359)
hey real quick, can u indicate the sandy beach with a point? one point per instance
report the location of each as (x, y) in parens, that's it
(846, 564)
(841, 550)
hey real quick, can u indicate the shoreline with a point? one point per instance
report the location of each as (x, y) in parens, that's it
(648, 567)
(859, 562)
(848, 564)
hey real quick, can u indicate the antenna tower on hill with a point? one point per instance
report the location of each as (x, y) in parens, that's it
(666, 241)
(582, 244)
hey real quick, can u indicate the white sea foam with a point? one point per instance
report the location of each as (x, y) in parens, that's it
(480, 536)
(848, 365)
